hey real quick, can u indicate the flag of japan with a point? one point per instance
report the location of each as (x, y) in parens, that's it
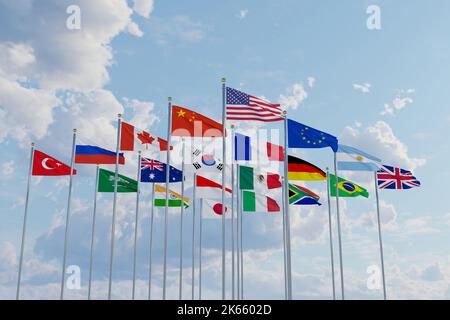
(212, 209)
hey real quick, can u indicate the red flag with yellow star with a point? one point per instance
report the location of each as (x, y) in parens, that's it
(187, 123)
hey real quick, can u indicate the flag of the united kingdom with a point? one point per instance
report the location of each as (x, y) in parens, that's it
(394, 178)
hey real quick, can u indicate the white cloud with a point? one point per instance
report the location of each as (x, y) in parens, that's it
(311, 82)
(242, 14)
(143, 7)
(7, 168)
(295, 96)
(400, 102)
(364, 88)
(134, 29)
(380, 140)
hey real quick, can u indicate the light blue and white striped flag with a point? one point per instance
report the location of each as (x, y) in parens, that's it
(352, 159)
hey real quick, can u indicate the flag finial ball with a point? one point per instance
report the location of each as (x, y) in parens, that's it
(74, 130)
(284, 112)
(119, 115)
(169, 98)
(232, 126)
(224, 80)
(33, 144)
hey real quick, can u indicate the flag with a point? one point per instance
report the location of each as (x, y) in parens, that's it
(106, 182)
(209, 189)
(301, 196)
(212, 209)
(154, 171)
(45, 165)
(204, 161)
(241, 106)
(261, 182)
(394, 178)
(275, 152)
(352, 159)
(187, 123)
(135, 139)
(242, 147)
(253, 202)
(174, 198)
(96, 155)
(302, 136)
(299, 169)
(346, 188)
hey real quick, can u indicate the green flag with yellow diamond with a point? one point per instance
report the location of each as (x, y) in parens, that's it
(346, 188)
(106, 182)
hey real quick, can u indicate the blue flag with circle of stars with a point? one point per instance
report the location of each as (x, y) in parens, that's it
(154, 171)
(302, 136)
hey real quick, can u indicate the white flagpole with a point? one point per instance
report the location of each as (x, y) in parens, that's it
(25, 216)
(113, 225)
(224, 155)
(193, 235)
(336, 180)
(238, 217)
(136, 226)
(182, 224)
(283, 195)
(91, 258)
(330, 228)
(379, 236)
(69, 199)
(287, 218)
(232, 211)
(166, 216)
(200, 254)
(151, 243)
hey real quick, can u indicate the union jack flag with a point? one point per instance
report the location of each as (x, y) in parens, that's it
(151, 164)
(394, 178)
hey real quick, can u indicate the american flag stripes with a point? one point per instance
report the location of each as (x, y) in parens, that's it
(241, 106)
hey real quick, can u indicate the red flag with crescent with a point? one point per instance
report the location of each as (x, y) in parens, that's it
(45, 165)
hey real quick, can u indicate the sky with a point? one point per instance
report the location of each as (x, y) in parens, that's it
(381, 90)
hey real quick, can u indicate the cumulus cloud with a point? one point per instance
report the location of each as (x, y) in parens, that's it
(7, 168)
(143, 7)
(294, 97)
(401, 101)
(380, 140)
(242, 14)
(364, 88)
(311, 82)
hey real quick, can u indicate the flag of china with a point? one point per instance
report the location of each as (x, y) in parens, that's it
(45, 165)
(187, 123)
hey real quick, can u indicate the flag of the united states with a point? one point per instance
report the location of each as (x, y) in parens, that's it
(241, 106)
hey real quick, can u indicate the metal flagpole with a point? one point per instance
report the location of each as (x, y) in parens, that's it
(238, 255)
(193, 235)
(113, 225)
(91, 258)
(283, 195)
(166, 216)
(242, 252)
(200, 254)
(331, 235)
(224, 155)
(136, 226)
(25, 216)
(232, 211)
(336, 179)
(287, 220)
(181, 225)
(379, 236)
(69, 199)
(151, 243)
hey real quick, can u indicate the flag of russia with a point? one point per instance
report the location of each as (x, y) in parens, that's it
(96, 155)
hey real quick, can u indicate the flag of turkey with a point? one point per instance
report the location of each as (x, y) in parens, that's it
(45, 165)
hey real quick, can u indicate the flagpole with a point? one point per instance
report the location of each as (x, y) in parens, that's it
(331, 235)
(166, 216)
(200, 254)
(91, 258)
(136, 225)
(287, 220)
(181, 224)
(224, 155)
(283, 195)
(113, 225)
(379, 235)
(69, 198)
(336, 180)
(25, 216)
(242, 252)
(151, 243)
(232, 212)
(193, 235)
(238, 270)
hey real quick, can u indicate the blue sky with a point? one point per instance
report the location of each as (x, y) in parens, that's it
(384, 91)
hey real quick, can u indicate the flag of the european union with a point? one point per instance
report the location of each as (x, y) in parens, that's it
(154, 171)
(302, 136)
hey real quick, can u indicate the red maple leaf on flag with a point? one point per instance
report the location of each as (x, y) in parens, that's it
(145, 138)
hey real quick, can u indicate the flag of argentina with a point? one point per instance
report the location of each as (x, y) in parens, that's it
(352, 159)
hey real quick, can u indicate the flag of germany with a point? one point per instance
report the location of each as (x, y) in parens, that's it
(299, 169)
